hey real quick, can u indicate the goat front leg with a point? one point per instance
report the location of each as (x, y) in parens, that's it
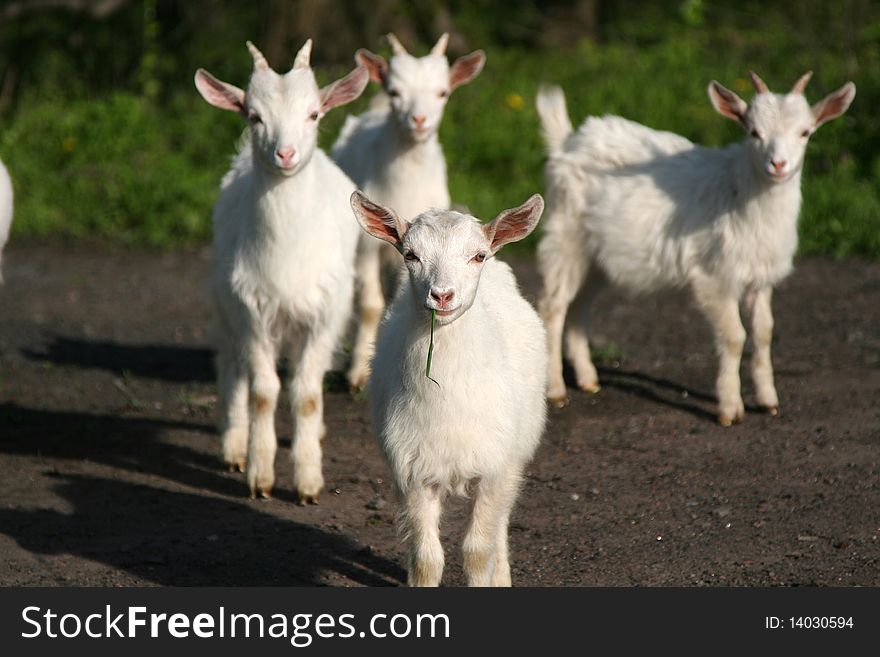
(485, 543)
(722, 310)
(232, 388)
(762, 335)
(262, 443)
(307, 408)
(372, 303)
(419, 522)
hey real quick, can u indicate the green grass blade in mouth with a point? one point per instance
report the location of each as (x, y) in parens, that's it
(431, 348)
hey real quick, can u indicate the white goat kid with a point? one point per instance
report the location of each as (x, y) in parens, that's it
(644, 210)
(478, 426)
(5, 209)
(394, 155)
(283, 273)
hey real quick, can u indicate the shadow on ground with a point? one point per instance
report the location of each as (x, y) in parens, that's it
(163, 362)
(183, 539)
(665, 392)
(172, 363)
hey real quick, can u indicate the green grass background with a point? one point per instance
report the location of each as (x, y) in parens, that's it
(139, 162)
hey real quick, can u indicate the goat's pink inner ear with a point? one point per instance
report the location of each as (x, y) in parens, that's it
(375, 64)
(218, 93)
(345, 90)
(727, 103)
(378, 221)
(466, 68)
(834, 104)
(514, 224)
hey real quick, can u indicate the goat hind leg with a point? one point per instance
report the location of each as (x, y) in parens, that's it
(577, 341)
(371, 303)
(562, 279)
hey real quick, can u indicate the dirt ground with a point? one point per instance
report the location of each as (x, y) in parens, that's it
(113, 475)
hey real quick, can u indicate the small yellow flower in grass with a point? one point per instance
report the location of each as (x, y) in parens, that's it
(741, 85)
(68, 145)
(514, 101)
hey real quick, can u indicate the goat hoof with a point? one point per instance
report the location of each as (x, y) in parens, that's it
(237, 466)
(304, 500)
(590, 388)
(261, 492)
(559, 402)
(357, 383)
(772, 410)
(729, 420)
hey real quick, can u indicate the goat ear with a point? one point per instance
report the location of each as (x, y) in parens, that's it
(375, 64)
(345, 90)
(727, 103)
(515, 224)
(219, 94)
(378, 220)
(834, 104)
(466, 68)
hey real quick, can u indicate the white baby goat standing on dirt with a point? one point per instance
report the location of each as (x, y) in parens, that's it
(5, 209)
(283, 271)
(475, 424)
(395, 157)
(644, 210)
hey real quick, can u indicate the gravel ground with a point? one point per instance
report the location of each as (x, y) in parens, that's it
(114, 474)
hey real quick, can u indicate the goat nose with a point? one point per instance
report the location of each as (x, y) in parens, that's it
(419, 120)
(442, 297)
(285, 154)
(778, 165)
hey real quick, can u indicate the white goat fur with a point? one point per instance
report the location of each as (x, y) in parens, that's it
(394, 155)
(5, 210)
(645, 210)
(283, 270)
(476, 428)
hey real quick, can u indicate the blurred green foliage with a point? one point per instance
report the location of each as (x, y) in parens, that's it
(106, 137)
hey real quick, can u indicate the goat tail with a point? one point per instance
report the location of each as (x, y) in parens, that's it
(555, 123)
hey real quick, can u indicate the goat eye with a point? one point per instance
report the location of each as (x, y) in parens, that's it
(409, 256)
(394, 93)
(480, 257)
(756, 134)
(443, 94)
(254, 118)
(313, 116)
(805, 134)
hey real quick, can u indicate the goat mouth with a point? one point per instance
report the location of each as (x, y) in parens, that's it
(286, 172)
(444, 312)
